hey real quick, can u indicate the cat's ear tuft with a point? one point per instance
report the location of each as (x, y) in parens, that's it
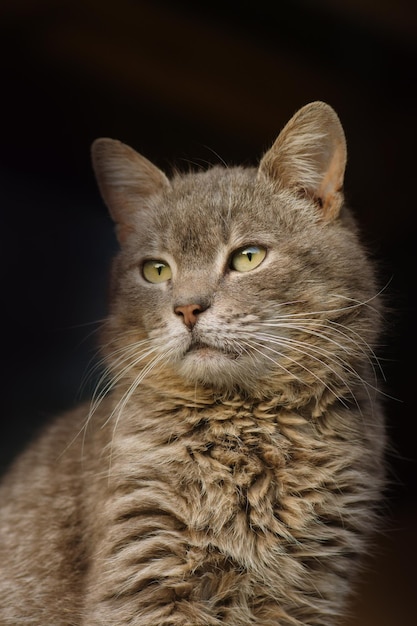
(309, 156)
(126, 180)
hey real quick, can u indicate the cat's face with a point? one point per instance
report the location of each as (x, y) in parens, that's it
(233, 281)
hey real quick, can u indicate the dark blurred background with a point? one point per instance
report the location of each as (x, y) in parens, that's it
(198, 82)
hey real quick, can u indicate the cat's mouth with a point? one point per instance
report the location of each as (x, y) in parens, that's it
(203, 349)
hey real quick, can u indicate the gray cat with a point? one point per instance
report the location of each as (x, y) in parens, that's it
(229, 469)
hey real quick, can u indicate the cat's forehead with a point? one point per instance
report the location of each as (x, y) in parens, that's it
(206, 209)
(218, 192)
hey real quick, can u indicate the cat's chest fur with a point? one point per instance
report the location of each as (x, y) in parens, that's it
(226, 469)
(210, 502)
(238, 476)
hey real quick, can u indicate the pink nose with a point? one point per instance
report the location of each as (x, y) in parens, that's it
(189, 313)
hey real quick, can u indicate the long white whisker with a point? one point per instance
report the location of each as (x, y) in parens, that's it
(125, 353)
(301, 365)
(312, 353)
(355, 304)
(131, 363)
(106, 382)
(136, 382)
(317, 329)
(121, 405)
(252, 345)
(101, 364)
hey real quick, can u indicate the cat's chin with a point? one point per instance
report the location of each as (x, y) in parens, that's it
(216, 368)
(204, 352)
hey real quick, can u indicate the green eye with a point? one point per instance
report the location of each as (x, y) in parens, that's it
(247, 259)
(156, 271)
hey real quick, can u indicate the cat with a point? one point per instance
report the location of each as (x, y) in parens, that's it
(229, 469)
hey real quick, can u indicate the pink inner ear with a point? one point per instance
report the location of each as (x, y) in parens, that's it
(330, 190)
(310, 154)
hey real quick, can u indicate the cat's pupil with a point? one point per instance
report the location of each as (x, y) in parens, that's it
(247, 259)
(156, 271)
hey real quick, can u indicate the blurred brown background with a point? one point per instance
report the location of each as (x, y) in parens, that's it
(198, 82)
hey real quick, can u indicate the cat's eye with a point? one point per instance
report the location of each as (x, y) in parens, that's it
(156, 271)
(246, 259)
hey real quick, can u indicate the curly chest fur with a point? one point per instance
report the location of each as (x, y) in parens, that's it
(230, 475)
(237, 501)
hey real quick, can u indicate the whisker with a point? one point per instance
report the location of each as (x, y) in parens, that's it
(99, 322)
(121, 405)
(121, 374)
(308, 350)
(288, 343)
(98, 365)
(313, 331)
(359, 343)
(355, 304)
(252, 346)
(107, 382)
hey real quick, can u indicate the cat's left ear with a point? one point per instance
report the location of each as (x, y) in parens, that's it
(126, 180)
(309, 157)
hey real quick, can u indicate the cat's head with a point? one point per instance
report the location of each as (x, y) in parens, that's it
(240, 278)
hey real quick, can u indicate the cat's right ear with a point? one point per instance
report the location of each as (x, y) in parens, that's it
(309, 157)
(126, 181)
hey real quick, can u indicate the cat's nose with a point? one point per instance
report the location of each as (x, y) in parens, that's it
(189, 313)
